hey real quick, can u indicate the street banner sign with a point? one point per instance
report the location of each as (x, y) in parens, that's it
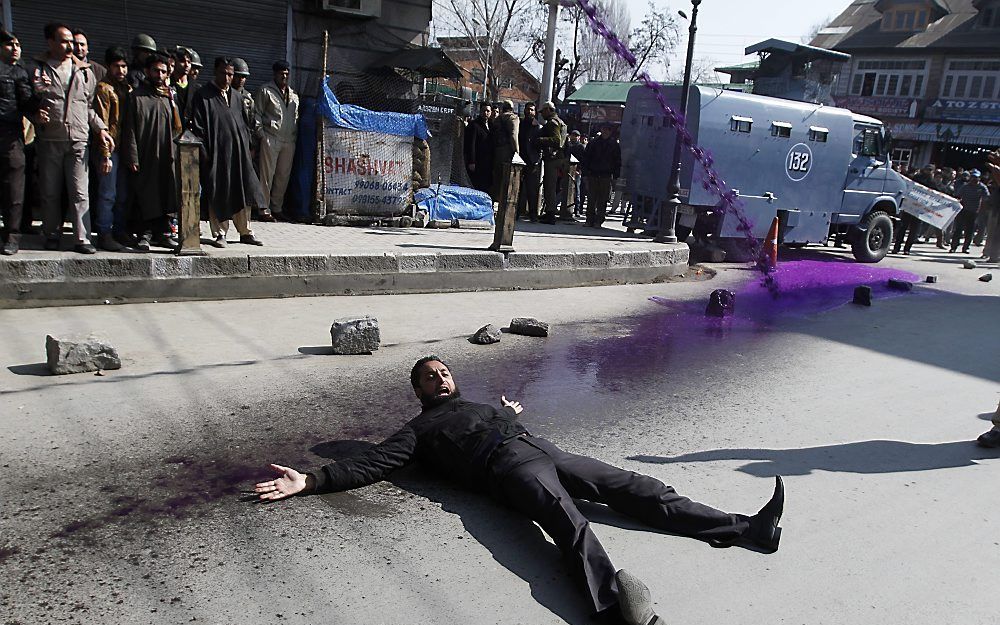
(930, 206)
(367, 173)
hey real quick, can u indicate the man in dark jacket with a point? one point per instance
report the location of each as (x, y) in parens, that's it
(488, 448)
(17, 99)
(152, 122)
(602, 164)
(229, 184)
(184, 87)
(478, 150)
(531, 175)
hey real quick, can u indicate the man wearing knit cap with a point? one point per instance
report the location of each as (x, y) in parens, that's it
(277, 107)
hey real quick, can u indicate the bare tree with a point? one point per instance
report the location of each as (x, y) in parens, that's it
(813, 31)
(490, 26)
(653, 39)
(587, 56)
(702, 71)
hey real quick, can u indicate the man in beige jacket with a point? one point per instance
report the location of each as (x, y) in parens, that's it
(278, 113)
(65, 86)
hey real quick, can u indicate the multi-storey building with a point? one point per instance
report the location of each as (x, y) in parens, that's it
(930, 69)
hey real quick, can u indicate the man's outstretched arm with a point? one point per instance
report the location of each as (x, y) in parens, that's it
(371, 467)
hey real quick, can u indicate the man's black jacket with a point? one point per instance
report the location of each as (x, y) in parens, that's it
(17, 96)
(455, 438)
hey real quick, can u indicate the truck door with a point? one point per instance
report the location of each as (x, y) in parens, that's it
(867, 170)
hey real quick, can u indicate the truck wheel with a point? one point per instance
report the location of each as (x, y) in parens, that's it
(873, 242)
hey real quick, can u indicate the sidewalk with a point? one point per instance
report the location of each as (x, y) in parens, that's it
(300, 259)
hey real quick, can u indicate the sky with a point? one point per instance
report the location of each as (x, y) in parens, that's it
(727, 27)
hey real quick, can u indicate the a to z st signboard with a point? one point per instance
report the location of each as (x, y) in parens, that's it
(367, 173)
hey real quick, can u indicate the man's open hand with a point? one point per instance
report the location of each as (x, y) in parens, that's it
(516, 405)
(290, 483)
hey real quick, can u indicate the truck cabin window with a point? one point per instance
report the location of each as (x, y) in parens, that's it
(740, 124)
(868, 142)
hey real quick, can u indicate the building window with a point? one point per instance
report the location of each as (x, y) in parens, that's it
(904, 20)
(971, 79)
(740, 124)
(889, 78)
(901, 158)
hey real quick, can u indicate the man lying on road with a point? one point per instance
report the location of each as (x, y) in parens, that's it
(488, 449)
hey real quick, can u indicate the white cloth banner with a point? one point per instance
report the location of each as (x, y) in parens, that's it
(928, 205)
(367, 173)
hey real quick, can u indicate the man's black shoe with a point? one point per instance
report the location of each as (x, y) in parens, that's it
(84, 248)
(763, 534)
(107, 242)
(764, 531)
(990, 440)
(249, 239)
(547, 219)
(163, 241)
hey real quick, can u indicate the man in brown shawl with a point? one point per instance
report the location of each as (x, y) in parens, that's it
(152, 121)
(229, 185)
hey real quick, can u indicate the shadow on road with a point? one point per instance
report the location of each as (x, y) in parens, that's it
(35, 368)
(515, 543)
(879, 456)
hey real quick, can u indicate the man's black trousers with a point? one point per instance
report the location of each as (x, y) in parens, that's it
(12, 180)
(540, 480)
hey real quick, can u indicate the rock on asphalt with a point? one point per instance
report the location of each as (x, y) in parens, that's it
(80, 354)
(355, 335)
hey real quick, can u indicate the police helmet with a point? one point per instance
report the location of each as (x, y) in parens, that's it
(240, 67)
(143, 42)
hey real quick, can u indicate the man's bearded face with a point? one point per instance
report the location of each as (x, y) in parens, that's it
(436, 384)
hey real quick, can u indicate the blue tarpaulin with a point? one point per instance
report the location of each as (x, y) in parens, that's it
(357, 118)
(450, 202)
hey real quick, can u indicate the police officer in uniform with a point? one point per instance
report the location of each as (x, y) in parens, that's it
(142, 46)
(489, 449)
(241, 72)
(552, 141)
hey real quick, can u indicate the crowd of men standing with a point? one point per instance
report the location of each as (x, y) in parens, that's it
(496, 134)
(96, 142)
(977, 223)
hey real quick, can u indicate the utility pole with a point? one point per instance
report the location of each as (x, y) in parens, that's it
(549, 64)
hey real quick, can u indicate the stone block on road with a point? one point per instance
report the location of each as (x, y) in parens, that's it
(900, 285)
(486, 335)
(931, 279)
(355, 335)
(863, 295)
(528, 326)
(969, 264)
(986, 277)
(80, 354)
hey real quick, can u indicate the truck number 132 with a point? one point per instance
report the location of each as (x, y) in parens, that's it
(798, 161)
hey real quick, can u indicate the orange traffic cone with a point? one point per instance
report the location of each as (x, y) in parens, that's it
(771, 244)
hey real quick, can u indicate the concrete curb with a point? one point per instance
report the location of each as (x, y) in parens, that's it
(27, 282)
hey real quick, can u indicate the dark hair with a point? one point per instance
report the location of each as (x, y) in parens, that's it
(280, 66)
(223, 61)
(6, 36)
(115, 54)
(153, 59)
(415, 371)
(51, 28)
(79, 31)
(180, 52)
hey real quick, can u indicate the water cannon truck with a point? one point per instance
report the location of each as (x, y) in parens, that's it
(822, 171)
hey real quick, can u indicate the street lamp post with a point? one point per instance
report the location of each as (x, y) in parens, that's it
(668, 211)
